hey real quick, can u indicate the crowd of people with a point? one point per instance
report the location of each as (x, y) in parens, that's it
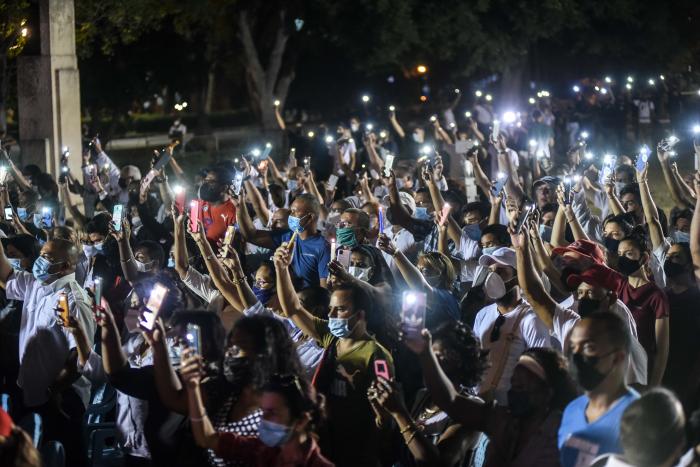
(433, 294)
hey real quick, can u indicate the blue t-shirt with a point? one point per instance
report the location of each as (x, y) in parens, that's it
(443, 307)
(311, 256)
(581, 442)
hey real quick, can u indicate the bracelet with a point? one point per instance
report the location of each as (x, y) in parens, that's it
(238, 280)
(198, 419)
(410, 426)
(210, 257)
(125, 261)
(410, 439)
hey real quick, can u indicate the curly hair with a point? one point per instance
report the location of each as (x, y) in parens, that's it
(558, 378)
(639, 238)
(472, 361)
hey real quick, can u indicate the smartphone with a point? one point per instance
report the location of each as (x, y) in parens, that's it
(117, 214)
(413, 311)
(344, 258)
(381, 369)
(237, 183)
(22, 213)
(307, 164)
(380, 219)
(146, 182)
(155, 300)
(446, 208)
(498, 186)
(332, 181)
(162, 160)
(194, 215)
(179, 198)
(8, 213)
(98, 291)
(496, 130)
(522, 218)
(333, 249)
(228, 238)
(266, 152)
(463, 147)
(194, 338)
(388, 164)
(63, 305)
(46, 217)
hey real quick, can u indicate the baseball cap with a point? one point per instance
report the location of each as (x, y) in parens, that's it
(548, 179)
(585, 248)
(597, 275)
(503, 256)
(5, 424)
(405, 198)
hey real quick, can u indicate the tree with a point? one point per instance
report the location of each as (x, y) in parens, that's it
(13, 37)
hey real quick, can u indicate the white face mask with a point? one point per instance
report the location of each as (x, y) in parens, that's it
(360, 273)
(417, 138)
(494, 286)
(354, 127)
(144, 267)
(135, 222)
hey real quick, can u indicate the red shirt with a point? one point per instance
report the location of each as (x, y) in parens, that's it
(216, 218)
(250, 450)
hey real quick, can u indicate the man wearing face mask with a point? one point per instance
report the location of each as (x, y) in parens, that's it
(57, 390)
(347, 368)
(591, 295)
(217, 211)
(590, 425)
(129, 180)
(311, 252)
(507, 327)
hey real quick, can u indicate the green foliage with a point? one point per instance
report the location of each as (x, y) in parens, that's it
(13, 17)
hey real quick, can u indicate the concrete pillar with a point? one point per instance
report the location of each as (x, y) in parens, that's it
(48, 91)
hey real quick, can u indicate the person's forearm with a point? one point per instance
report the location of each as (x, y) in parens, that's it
(495, 214)
(399, 213)
(374, 160)
(687, 192)
(218, 275)
(576, 229)
(245, 223)
(313, 189)
(204, 434)
(661, 358)
(614, 204)
(651, 214)
(5, 267)
(672, 185)
(442, 243)
(694, 239)
(259, 204)
(18, 177)
(78, 216)
(126, 257)
(397, 127)
(444, 135)
(82, 344)
(414, 279)
(180, 249)
(290, 304)
(280, 120)
(276, 172)
(166, 194)
(559, 229)
(113, 358)
(480, 177)
(177, 170)
(532, 287)
(423, 450)
(168, 384)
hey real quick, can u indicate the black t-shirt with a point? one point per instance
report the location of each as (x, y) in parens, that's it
(684, 344)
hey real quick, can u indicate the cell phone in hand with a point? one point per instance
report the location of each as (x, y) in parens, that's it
(193, 335)
(237, 183)
(332, 181)
(344, 258)
(499, 185)
(22, 213)
(117, 215)
(463, 147)
(495, 130)
(195, 207)
(388, 164)
(155, 301)
(307, 165)
(63, 306)
(446, 208)
(381, 369)
(46, 217)
(162, 160)
(9, 215)
(228, 239)
(413, 306)
(522, 218)
(98, 291)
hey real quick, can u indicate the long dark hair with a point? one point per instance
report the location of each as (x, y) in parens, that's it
(558, 378)
(18, 450)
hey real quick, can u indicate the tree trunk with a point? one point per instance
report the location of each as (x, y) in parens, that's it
(211, 87)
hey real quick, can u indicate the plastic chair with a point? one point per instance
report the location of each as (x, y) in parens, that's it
(98, 431)
(6, 402)
(32, 424)
(104, 448)
(52, 454)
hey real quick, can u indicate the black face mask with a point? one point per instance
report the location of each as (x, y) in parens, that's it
(123, 183)
(209, 192)
(237, 370)
(583, 369)
(519, 403)
(673, 269)
(586, 306)
(565, 273)
(627, 266)
(611, 244)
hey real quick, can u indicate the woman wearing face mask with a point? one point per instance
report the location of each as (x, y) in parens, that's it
(615, 229)
(258, 347)
(525, 432)
(434, 275)
(286, 432)
(647, 302)
(429, 435)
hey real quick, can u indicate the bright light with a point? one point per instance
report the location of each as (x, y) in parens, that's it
(509, 117)
(457, 91)
(644, 151)
(500, 175)
(588, 155)
(184, 105)
(268, 145)
(25, 32)
(577, 178)
(329, 139)
(410, 298)
(629, 86)
(193, 202)
(236, 160)
(433, 118)
(427, 149)
(533, 143)
(698, 92)
(177, 107)
(608, 159)
(382, 134)
(255, 152)
(696, 129)
(489, 98)
(651, 82)
(392, 108)
(64, 169)
(603, 91)
(597, 88)
(662, 77)
(630, 79)
(277, 103)
(584, 135)
(45, 210)
(608, 79)
(531, 100)
(576, 88)
(478, 93)
(421, 69)
(673, 153)
(567, 180)
(452, 125)
(545, 93)
(365, 98)
(177, 189)
(423, 98)
(468, 114)
(369, 127)
(672, 139)
(310, 134)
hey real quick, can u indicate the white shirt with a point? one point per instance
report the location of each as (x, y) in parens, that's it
(202, 286)
(468, 252)
(531, 332)
(566, 317)
(44, 344)
(404, 241)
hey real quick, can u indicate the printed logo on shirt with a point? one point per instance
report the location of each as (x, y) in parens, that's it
(587, 451)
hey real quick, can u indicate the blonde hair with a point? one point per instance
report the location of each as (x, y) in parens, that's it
(442, 263)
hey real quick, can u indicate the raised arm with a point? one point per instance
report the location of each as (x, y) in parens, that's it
(126, 255)
(245, 294)
(399, 213)
(453, 231)
(289, 301)
(671, 183)
(259, 204)
(571, 220)
(613, 202)
(113, 357)
(75, 213)
(529, 280)
(5, 267)
(278, 117)
(168, 385)
(203, 431)
(23, 183)
(395, 124)
(247, 228)
(413, 277)
(651, 214)
(694, 229)
(687, 192)
(559, 228)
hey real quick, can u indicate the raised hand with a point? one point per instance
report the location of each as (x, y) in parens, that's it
(282, 257)
(191, 368)
(385, 244)
(390, 180)
(388, 396)
(419, 344)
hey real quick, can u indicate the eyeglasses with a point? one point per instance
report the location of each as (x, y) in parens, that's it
(496, 331)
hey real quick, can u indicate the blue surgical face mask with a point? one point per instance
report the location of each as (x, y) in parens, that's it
(292, 185)
(545, 233)
(295, 223)
(273, 434)
(422, 213)
(23, 214)
(41, 269)
(681, 237)
(16, 263)
(340, 327)
(171, 262)
(473, 231)
(489, 250)
(263, 295)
